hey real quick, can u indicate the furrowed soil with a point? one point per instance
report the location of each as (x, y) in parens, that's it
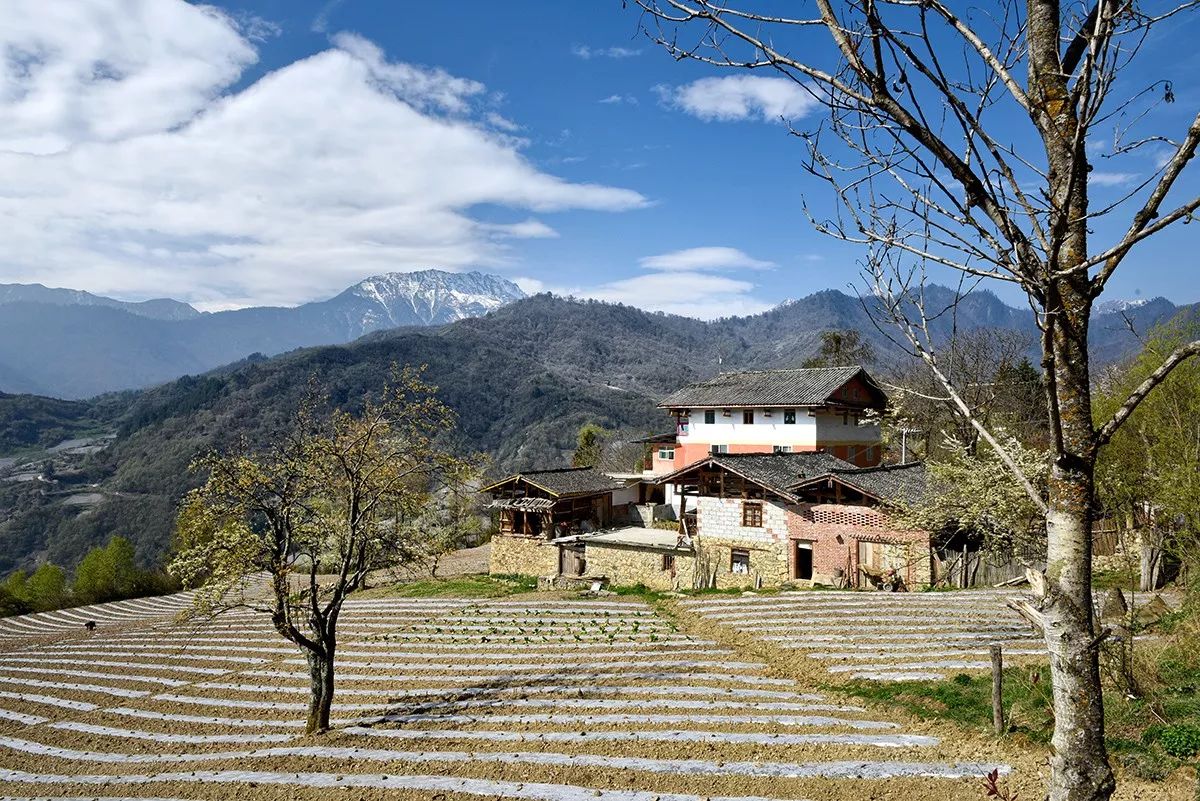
(533, 696)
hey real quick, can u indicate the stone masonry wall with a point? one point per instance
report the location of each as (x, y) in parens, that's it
(629, 566)
(523, 556)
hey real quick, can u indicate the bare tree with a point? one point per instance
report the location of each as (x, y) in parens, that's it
(945, 159)
(995, 381)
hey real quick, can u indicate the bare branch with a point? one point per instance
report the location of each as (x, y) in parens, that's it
(1180, 355)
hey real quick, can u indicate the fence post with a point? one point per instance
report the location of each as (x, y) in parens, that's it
(997, 688)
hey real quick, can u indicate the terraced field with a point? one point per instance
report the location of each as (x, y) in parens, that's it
(120, 613)
(448, 698)
(881, 636)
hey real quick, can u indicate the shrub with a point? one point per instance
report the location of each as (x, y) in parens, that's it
(107, 573)
(47, 588)
(1180, 740)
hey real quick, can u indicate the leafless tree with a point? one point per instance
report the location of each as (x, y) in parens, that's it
(958, 141)
(994, 379)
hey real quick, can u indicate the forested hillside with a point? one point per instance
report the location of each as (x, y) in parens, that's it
(522, 380)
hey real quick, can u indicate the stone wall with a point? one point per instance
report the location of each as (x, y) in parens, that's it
(625, 567)
(523, 556)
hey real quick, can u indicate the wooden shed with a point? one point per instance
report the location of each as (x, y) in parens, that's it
(545, 504)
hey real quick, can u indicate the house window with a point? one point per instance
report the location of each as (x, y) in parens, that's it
(789, 417)
(845, 418)
(668, 562)
(751, 514)
(682, 428)
(851, 453)
(710, 416)
(666, 453)
(739, 561)
(715, 449)
(781, 448)
(748, 417)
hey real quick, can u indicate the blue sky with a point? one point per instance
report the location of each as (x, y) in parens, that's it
(277, 151)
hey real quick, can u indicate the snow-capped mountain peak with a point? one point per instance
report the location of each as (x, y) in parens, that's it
(426, 297)
(1117, 305)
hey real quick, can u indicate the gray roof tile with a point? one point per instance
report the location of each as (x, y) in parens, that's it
(899, 483)
(566, 481)
(799, 387)
(773, 471)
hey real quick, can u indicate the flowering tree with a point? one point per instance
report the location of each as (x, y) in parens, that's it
(333, 499)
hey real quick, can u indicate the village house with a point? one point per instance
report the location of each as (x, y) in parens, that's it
(770, 477)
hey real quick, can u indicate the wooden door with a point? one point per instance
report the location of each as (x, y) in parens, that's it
(571, 561)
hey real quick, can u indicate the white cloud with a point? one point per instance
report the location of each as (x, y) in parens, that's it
(704, 258)
(530, 286)
(700, 295)
(615, 99)
(740, 97)
(96, 70)
(588, 53)
(501, 122)
(334, 167)
(1099, 178)
(320, 23)
(419, 86)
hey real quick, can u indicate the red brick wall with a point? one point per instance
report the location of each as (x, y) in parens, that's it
(835, 531)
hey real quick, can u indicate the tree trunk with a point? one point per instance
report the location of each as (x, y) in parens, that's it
(1079, 764)
(320, 669)
(1151, 559)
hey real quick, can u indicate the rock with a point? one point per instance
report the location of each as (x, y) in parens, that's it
(1152, 611)
(1114, 608)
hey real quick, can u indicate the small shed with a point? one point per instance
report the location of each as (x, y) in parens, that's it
(545, 504)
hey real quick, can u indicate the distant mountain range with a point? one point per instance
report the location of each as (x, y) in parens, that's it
(70, 344)
(522, 379)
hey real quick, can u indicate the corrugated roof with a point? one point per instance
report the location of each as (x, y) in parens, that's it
(812, 386)
(777, 472)
(633, 536)
(565, 481)
(896, 484)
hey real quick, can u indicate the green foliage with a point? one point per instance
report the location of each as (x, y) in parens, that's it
(589, 444)
(966, 699)
(1180, 740)
(29, 421)
(47, 588)
(11, 604)
(108, 573)
(1152, 457)
(42, 591)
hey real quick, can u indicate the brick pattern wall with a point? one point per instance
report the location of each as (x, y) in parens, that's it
(523, 556)
(834, 531)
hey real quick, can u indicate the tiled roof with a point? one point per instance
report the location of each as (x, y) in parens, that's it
(800, 387)
(777, 472)
(900, 483)
(565, 481)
